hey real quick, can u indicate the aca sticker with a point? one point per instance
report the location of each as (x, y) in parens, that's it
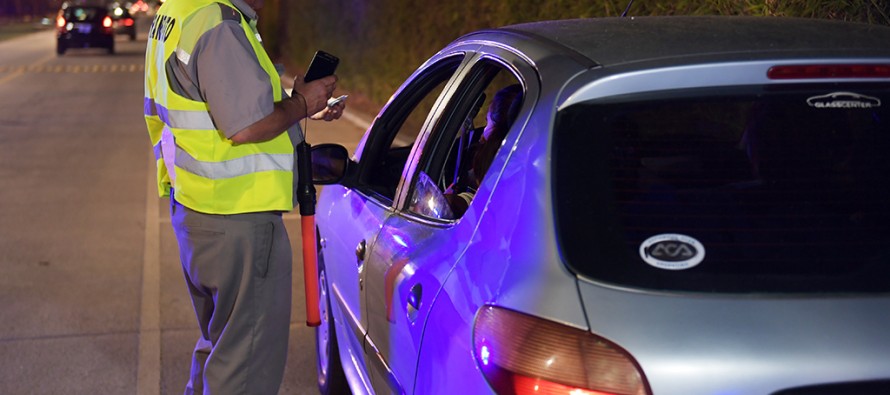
(672, 251)
(844, 100)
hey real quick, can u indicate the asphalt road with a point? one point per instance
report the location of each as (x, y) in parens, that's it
(92, 299)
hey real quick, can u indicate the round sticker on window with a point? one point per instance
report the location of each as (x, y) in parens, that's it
(672, 251)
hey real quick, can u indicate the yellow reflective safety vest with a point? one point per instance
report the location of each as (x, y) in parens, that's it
(209, 173)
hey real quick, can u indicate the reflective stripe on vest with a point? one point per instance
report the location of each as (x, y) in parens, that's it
(168, 152)
(194, 120)
(228, 169)
(197, 120)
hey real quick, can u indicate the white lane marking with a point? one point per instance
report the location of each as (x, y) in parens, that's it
(148, 379)
(11, 76)
(21, 71)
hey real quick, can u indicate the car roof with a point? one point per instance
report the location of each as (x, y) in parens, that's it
(85, 7)
(86, 4)
(678, 40)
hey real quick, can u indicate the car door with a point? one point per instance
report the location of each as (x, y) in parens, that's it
(355, 212)
(420, 242)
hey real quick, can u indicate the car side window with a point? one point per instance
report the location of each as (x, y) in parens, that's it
(463, 145)
(392, 139)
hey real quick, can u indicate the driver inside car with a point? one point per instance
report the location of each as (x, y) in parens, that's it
(502, 112)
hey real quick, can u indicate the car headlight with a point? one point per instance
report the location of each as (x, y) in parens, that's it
(524, 355)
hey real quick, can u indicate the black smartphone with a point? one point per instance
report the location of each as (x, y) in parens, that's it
(323, 64)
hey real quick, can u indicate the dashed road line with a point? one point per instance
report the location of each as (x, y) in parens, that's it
(72, 68)
(12, 75)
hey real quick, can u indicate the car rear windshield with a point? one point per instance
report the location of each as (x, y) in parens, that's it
(85, 14)
(741, 190)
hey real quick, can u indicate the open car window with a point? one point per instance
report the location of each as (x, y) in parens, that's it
(463, 144)
(392, 139)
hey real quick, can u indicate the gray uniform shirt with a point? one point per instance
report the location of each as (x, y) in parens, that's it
(224, 72)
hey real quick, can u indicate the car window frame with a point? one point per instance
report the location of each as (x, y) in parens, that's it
(525, 73)
(388, 123)
(477, 79)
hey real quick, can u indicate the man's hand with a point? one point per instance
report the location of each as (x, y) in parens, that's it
(315, 94)
(330, 113)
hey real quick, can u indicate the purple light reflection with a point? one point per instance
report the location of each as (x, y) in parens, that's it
(398, 239)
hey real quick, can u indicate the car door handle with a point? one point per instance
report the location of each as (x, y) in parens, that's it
(414, 301)
(360, 251)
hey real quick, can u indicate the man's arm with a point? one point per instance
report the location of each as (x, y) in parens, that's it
(307, 99)
(237, 89)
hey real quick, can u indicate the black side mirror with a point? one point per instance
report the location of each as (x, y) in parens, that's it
(329, 162)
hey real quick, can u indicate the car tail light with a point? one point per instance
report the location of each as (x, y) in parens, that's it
(791, 72)
(60, 22)
(524, 355)
(107, 25)
(128, 22)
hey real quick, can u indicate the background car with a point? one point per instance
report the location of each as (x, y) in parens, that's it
(681, 205)
(140, 7)
(123, 22)
(84, 26)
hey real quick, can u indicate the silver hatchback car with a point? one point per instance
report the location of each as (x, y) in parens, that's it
(635, 206)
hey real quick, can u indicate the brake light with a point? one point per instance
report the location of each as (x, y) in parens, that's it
(60, 22)
(524, 355)
(528, 386)
(791, 72)
(107, 22)
(128, 22)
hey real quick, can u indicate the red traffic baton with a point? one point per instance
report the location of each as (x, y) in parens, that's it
(306, 200)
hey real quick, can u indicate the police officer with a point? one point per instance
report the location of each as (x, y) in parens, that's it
(224, 134)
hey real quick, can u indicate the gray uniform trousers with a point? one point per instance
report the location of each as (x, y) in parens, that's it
(238, 272)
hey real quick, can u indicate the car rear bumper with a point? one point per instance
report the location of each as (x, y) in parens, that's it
(86, 41)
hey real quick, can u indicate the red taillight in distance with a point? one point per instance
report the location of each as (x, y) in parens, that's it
(823, 71)
(107, 25)
(60, 23)
(128, 22)
(524, 355)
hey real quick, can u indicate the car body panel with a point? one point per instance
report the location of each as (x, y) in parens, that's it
(505, 250)
(653, 42)
(339, 205)
(401, 258)
(504, 264)
(709, 75)
(401, 283)
(370, 353)
(745, 344)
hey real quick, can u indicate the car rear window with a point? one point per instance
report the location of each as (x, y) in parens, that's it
(85, 14)
(747, 190)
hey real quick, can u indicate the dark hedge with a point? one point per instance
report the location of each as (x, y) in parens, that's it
(380, 42)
